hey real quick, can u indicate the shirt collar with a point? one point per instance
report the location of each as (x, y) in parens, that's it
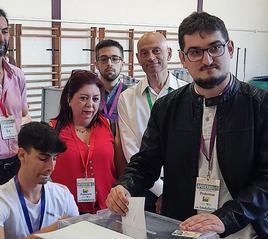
(7, 68)
(144, 84)
(112, 92)
(230, 91)
(171, 83)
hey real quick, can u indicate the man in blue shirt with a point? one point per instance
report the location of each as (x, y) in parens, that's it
(109, 62)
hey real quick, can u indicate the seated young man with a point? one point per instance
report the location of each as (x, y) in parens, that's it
(29, 202)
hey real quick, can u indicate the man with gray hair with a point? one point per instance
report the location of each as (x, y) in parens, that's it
(135, 104)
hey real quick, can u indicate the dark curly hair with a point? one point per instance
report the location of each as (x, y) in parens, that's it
(40, 136)
(201, 22)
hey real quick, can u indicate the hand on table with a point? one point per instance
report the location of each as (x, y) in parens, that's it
(204, 222)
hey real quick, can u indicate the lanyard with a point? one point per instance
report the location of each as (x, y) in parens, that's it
(203, 148)
(25, 209)
(85, 162)
(208, 155)
(104, 106)
(2, 104)
(149, 99)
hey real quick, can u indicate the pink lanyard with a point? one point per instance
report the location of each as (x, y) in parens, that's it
(2, 105)
(119, 89)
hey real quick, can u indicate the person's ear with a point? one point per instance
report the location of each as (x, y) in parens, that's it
(182, 58)
(169, 50)
(230, 47)
(96, 64)
(22, 155)
(137, 55)
(122, 63)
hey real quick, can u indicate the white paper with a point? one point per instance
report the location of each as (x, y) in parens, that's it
(134, 222)
(83, 230)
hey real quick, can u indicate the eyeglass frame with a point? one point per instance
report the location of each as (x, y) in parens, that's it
(107, 58)
(207, 50)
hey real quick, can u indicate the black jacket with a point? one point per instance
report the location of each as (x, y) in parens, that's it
(172, 139)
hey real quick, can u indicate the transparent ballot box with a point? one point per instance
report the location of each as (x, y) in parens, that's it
(157, 226)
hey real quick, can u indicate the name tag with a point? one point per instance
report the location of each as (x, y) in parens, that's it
(207, 194)
(8, 127)
(86, 190)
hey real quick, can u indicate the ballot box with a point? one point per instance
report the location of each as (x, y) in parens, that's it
(157, 226)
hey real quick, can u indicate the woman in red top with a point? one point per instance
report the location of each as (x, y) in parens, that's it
(93, 158)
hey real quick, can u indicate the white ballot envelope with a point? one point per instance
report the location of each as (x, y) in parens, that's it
(133, 224)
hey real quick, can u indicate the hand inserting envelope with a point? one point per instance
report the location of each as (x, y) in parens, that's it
(133, 224)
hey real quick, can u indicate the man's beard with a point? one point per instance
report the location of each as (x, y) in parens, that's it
(3, 49)
(110, 76)
(211, 82)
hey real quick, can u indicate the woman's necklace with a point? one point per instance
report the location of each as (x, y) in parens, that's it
(81, 130)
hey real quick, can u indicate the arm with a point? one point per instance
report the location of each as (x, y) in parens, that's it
(71, 207)
(127, 135)
(2, 233)
(22, 85)
(24, 111)
(71, 210)
(50, 228)
(4, 215)
(130, 142)
(119, 158)
(145, 166)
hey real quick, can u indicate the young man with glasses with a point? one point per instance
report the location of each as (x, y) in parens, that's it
(211, 136)
(109, 62)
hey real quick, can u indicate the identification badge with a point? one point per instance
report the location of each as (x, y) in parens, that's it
(86, 190)
(8, 127)
(181, 233)
(206, 194)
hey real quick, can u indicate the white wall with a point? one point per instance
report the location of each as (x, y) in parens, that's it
(27, 9)
(246, 20)
(151, 12)
(242, 14)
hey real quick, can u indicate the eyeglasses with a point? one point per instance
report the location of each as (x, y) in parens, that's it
(197, 54)
(105, 59)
